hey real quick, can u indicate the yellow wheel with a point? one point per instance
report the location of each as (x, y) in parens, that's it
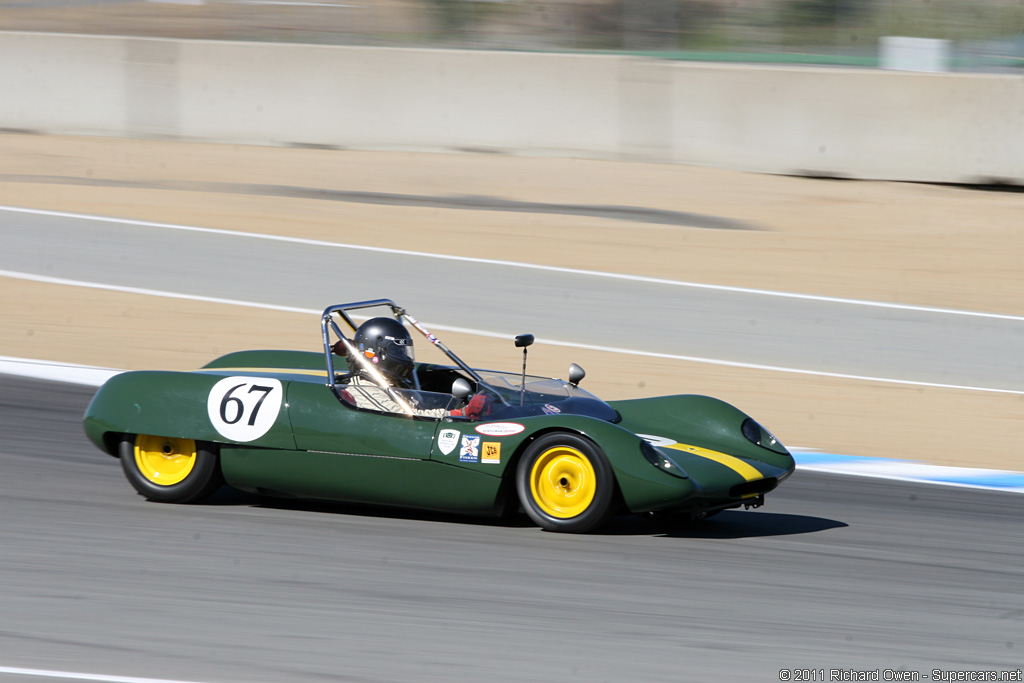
(565, 483)
(164, 460)
(170, 469)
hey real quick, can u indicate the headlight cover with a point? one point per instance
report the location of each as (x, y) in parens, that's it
(662, 461)
(759, 436)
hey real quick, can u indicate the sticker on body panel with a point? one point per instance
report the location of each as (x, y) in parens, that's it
(470, 451)
(244, 408)
(491, 453)
(500, 429)
(447, 440)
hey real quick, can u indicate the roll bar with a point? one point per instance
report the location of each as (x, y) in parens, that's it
(328, 323)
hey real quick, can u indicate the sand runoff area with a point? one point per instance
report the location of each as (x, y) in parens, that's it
(896, 242)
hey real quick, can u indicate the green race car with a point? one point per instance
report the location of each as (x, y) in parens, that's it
(451, 438)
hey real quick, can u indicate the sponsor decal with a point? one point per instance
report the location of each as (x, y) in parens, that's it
(491, 453)
(470, 451)
(447, 440)
(500, 429)
(550, 409)
(244, 408)
(660, 441)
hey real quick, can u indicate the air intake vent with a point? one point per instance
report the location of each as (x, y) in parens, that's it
(752, 488)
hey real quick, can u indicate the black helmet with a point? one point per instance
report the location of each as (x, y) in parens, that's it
(386, 343)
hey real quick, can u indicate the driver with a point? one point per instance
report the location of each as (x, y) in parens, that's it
(386, 344)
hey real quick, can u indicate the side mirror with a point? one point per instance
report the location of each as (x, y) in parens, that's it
(576, 374)
(524, 340)
(461, 389)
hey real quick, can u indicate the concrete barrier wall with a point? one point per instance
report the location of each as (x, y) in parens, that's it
(842, 122)
(58, 83)
(379, 97)
(851, 123)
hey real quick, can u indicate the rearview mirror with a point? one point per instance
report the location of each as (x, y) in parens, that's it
(461, 389)
(576, 374)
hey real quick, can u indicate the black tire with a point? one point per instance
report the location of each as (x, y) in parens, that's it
(194, 468)
(566, 484)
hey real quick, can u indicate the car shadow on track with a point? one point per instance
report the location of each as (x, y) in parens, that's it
(227, 496)
(730, 524)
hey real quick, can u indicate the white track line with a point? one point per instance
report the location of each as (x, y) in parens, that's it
(86, 375)
(152, 292)
(503, 335)
(518, 264)
(76, 676)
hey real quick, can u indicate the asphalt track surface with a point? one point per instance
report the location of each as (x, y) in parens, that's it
(835, 572)
(815, 335)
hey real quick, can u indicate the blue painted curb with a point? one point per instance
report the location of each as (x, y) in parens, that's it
(909, 470)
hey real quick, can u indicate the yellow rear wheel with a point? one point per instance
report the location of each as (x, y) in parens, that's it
(163, 460)
(170, 469)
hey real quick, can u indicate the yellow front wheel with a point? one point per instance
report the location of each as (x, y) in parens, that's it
(170, 469)
(562, 481)
(565, 483)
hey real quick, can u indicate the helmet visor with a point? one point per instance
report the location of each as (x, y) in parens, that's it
(399, 349)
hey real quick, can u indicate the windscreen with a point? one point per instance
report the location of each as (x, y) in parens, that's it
(538, 390)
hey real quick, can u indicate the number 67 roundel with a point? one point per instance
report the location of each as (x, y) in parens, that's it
(244, 408)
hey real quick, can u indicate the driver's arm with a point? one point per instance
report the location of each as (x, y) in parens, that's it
(479, 406)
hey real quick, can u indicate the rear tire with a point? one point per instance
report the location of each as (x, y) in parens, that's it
(168, 469)
(566, 484)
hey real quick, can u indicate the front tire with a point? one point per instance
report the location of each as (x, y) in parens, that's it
(566, 484)
(168, 469)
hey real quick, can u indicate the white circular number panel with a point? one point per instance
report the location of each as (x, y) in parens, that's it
(244, 408)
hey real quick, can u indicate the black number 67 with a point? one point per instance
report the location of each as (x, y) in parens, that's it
(239, 406)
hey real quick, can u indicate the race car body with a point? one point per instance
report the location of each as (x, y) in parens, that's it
(284, 423)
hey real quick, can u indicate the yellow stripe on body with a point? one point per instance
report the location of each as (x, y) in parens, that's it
(738, 466)
(276, 371)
